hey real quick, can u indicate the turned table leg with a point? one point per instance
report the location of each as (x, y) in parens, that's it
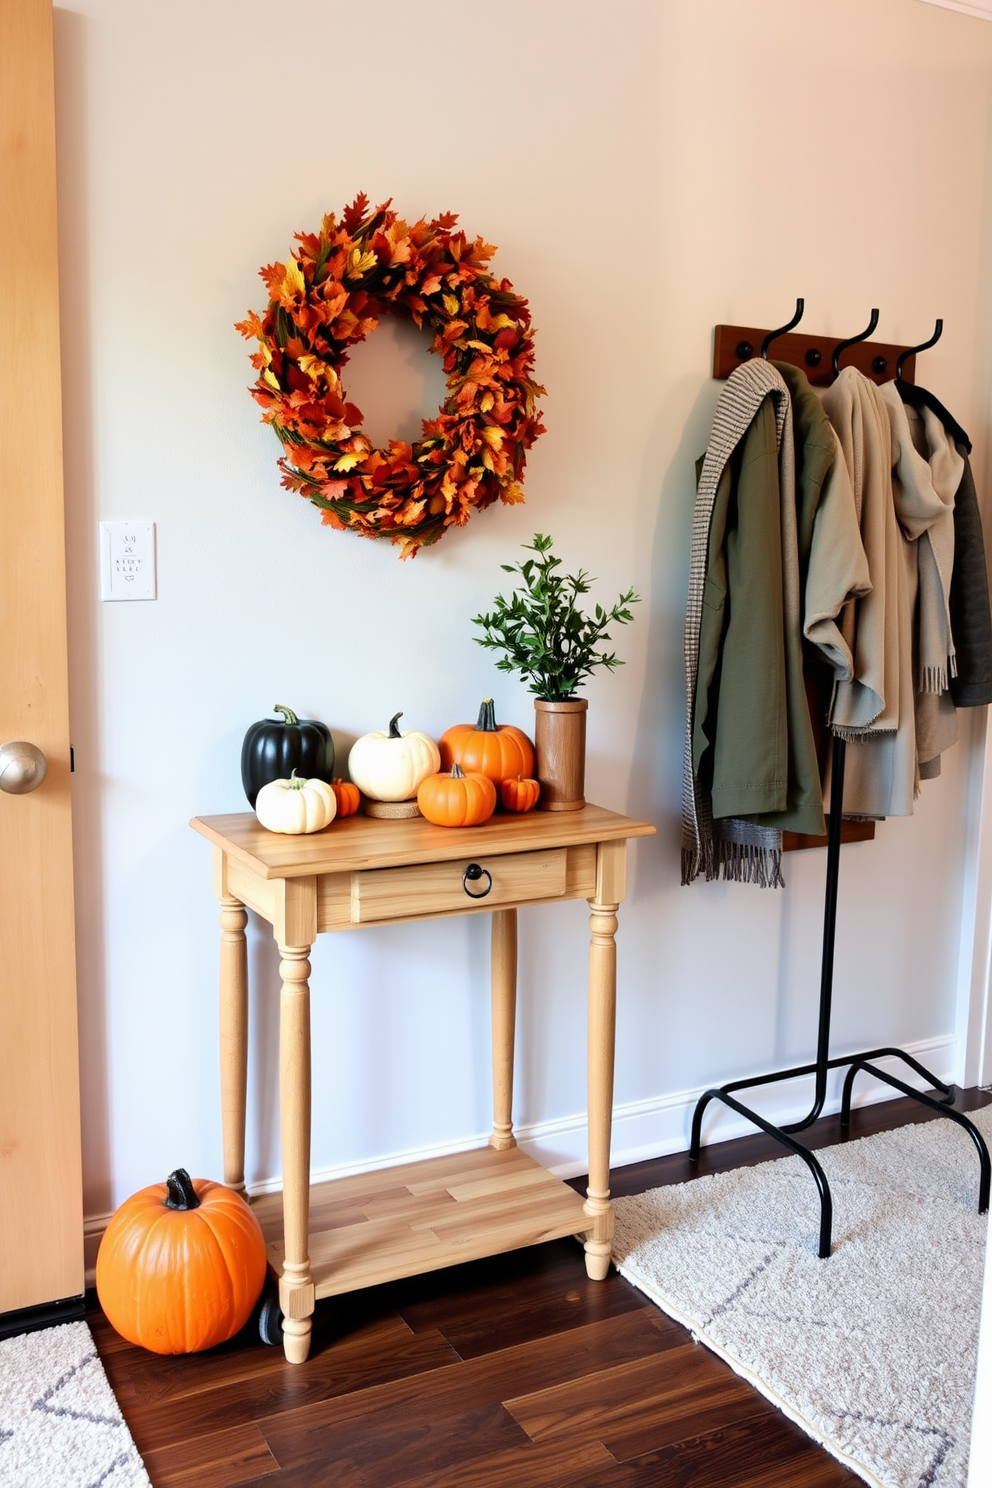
(602, 1038)
(504, 1012)
(296, 1289)
(233, 1038)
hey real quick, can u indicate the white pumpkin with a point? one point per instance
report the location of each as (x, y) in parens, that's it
(295, 805)
(389, 765)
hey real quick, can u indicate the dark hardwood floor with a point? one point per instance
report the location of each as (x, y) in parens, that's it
(514, 1372)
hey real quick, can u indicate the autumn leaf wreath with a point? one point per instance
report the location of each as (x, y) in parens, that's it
(329, 295)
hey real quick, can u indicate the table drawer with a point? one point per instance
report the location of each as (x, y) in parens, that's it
(440, 888)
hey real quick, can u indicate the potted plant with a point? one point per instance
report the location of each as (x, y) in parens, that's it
(547, 639)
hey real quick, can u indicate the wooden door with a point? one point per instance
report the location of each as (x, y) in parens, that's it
(41, 1222)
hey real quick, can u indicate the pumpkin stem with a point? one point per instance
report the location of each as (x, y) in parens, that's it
(457, 773)
(288, 716)
(182, 1194)
(487, 717)
(394, 732)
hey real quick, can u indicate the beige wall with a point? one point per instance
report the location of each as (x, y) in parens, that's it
(647, 169)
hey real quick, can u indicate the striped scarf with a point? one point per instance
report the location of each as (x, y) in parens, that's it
(742, 850)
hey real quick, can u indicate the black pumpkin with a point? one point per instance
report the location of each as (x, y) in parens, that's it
(275, 747)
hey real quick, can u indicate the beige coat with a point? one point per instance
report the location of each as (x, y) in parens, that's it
(871, 626)
(895, 711)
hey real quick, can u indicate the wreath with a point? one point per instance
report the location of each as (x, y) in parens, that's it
(330, 295)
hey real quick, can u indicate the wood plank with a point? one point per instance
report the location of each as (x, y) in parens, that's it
(422, 1176)
(546, 1213)
(658, 1395)
(455, 1209)
(455, 1389)
(808, 1467)
(166, 1400)
(555, 1465)
(709, 1412)
(745, 1454)
(219, 1459)
(343, 1260)
(397, 1444)
(516, 1298)
(502, 1183)
(359, 842)
(364, 1334)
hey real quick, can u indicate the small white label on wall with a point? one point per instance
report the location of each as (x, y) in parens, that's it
(127, 560)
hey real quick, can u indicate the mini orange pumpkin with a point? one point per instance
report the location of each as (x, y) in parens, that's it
(486, 747)
(348, 796)
(519, 794)
(455, 799)
(181, 1265)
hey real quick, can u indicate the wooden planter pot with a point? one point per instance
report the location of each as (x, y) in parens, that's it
(560, 749)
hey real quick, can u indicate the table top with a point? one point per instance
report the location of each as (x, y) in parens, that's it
(357, 842)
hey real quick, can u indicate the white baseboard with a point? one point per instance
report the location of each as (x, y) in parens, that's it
(641, 1129)
(654, 1128)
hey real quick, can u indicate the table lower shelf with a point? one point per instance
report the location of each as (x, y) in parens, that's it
(402, 1221)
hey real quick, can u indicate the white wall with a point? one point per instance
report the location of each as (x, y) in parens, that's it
(647, 169)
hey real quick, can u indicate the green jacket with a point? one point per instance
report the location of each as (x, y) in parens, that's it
(752, 737)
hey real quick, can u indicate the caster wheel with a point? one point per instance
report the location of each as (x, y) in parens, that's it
(270, 1318)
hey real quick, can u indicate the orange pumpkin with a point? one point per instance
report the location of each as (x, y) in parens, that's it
(181, 1265)
(348, 796)
(519, 794)
(455, 799)
(487, 748)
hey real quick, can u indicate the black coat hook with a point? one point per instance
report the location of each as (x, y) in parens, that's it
(911, 350)
(774, 335)
(853, 341)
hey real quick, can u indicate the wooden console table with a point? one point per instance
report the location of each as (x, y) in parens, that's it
(358, 1231)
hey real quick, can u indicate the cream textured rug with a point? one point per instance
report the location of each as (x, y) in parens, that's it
(60, 1424)
(873, 1351)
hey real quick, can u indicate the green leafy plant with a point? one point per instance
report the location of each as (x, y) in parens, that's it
(544, 636)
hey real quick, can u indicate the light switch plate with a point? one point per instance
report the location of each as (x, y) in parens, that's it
(127, 560)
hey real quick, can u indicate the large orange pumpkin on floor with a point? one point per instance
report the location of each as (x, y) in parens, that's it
(181, 1265)
(487, 748)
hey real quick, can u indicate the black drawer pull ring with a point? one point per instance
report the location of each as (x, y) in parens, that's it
(471, 875)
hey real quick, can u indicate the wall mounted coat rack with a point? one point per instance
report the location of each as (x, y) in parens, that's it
(734, 344)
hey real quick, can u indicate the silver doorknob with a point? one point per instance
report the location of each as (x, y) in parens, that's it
(22, 767)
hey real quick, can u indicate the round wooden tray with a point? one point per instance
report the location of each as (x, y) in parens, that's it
(390, 810)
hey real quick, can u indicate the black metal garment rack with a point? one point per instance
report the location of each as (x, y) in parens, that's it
(823, 1063)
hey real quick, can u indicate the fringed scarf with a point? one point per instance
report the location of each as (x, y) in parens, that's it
(924, 485)
(738, 850)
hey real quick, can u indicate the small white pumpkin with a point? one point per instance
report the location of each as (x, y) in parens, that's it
(389, 766)
(295, 805)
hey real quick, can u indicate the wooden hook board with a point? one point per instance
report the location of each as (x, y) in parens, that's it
(814, 354)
